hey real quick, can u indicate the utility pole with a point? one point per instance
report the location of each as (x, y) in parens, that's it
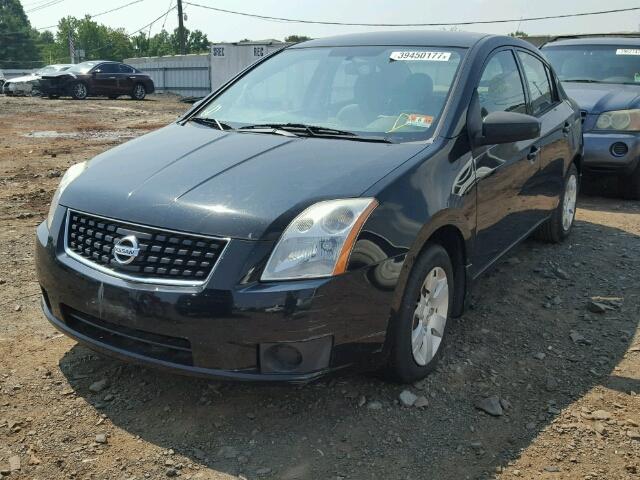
(180, 28)
(72, 48)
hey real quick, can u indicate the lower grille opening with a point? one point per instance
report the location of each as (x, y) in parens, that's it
(619, 149)
(153, 345)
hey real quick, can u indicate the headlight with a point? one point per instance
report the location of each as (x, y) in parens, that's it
(628, 120)
(69, 176)
(318, 242)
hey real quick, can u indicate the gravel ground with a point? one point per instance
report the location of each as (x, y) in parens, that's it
(540, 378)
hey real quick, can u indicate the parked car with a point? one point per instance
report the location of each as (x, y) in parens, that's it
(28, 84)
(329, 207)
(98, 78)
(2, 80)
(603, 75)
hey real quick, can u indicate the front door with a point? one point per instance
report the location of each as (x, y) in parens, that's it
(105, 79)
(503, 172)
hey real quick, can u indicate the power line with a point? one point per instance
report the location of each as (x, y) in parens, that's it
(442, 24)
(92, 16)
(45, 5)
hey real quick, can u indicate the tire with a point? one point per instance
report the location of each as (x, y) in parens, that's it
(419, 332)
(138, 92)
(559, 226)
(79, 91)
(630, 185)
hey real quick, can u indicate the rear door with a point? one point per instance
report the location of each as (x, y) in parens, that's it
(503, 172)
(126, 77)
(559, 124)
(105, 79)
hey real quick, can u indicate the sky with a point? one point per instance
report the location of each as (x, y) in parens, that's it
(222, 27)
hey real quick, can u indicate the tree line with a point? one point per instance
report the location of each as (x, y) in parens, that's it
(22, 46)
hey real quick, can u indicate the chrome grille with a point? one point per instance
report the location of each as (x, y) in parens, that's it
(165, 256)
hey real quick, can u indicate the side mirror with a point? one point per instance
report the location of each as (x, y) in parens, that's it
(507, 127)
(95, 72)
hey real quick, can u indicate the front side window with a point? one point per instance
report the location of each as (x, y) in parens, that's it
(596, 63)
(538, 82)
(108, 68)
(500, 88)
(395, 92)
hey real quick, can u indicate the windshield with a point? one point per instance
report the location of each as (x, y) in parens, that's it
(596, 63)
(393, 92)
(83, 67)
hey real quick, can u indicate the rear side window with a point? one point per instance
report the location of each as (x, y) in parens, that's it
(540, 90)
(125, 68)
(500, 88)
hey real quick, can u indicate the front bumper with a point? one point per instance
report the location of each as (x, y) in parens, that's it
(224, 329)
(611, 152)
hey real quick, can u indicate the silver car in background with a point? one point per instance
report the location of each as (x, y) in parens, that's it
(28, 84)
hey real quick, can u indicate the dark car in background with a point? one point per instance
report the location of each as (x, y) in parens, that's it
(329, 207)
(602, 74)
(97, 78)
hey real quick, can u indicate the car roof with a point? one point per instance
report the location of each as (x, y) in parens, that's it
(429, 38)
(587, 40)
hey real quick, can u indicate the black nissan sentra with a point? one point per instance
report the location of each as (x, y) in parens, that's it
(329, 207)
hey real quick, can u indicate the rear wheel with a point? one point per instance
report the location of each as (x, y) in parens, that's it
(139, 92)
(79, 91)
(559, 226)
(630, 185)
(418, 334)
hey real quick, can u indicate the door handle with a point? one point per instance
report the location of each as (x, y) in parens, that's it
(112, 78)
(567, 128)
(533, 153)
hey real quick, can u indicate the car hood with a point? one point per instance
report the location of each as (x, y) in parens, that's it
(603, 97)
(24, 78)
(63, 73)
(240, 185)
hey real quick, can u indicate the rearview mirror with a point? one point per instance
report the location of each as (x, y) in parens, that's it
(508, 127)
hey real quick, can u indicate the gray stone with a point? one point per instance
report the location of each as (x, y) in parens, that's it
(171, 472)
(596, 307)
(408, 398)
(539, 356)
(551, 384)
(601, 415)
(98, 386)
(490, 405)
(101, 438)
(577, 337)
(421, 402)
(263, 471)
(560, 273)
(374, 405)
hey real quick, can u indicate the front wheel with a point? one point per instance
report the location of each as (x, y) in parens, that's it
(79, 91)
(139, 92)
(559, 226)
(419, 332)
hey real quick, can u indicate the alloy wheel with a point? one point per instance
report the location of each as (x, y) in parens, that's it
(430, 316)
(80, 90)
(569, 203)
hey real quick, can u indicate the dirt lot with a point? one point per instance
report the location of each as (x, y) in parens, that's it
(566, 371)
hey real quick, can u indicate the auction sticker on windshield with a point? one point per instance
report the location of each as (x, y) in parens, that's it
(628, 51)
(421, 56)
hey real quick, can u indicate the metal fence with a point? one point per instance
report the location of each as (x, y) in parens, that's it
(187, 75)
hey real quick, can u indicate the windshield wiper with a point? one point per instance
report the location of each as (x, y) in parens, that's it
(316, 131)
(581, 80)
(211, 122)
